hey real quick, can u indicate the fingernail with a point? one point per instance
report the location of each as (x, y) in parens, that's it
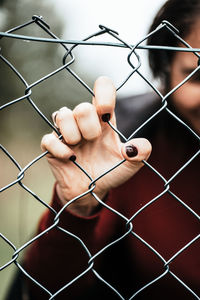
(131, 151)
(105, 117)
(72, 158)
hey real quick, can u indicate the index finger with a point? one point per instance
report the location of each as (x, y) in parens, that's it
(105, 96)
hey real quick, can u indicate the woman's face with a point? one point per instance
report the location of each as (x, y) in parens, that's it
(187, 98)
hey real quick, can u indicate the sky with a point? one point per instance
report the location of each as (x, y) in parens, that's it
(130, 18)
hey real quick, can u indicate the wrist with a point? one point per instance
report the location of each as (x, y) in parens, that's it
(84, 206)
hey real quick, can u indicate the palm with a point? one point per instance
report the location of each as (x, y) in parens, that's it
(95, 157)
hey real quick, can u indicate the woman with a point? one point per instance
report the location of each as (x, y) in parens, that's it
(166, 225)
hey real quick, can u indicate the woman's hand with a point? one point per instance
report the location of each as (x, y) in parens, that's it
(96, 147)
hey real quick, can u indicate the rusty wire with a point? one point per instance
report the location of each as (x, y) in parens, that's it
(67, 61)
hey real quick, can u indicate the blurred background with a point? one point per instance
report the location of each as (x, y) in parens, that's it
(21, 126)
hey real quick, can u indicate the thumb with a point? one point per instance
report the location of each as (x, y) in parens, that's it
(136, 150)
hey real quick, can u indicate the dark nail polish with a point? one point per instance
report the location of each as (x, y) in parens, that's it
(105, 117)
(72, 158)
(131, 151)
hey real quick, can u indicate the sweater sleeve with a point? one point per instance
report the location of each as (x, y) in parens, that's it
(58, 256)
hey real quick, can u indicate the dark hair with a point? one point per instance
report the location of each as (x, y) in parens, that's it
(180, 13)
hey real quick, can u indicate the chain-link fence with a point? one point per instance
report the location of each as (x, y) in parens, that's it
(67, 61)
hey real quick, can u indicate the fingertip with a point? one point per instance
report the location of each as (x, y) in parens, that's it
(104, 80)
(56, 148)
(44, 142)
(137, 150)
(88, 121)
(105, 95)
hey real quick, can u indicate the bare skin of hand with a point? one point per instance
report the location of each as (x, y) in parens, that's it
(96, 147)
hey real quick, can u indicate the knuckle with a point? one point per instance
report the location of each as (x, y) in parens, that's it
(59, 117)
(83, 109)
(63, 114)
(92, 133)
(63, 155)
(45, 142)
(74, 140)
(93, 136)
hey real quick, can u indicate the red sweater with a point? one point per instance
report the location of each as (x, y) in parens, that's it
(57, 258)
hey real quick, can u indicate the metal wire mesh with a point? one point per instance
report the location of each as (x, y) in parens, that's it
(67, 61)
